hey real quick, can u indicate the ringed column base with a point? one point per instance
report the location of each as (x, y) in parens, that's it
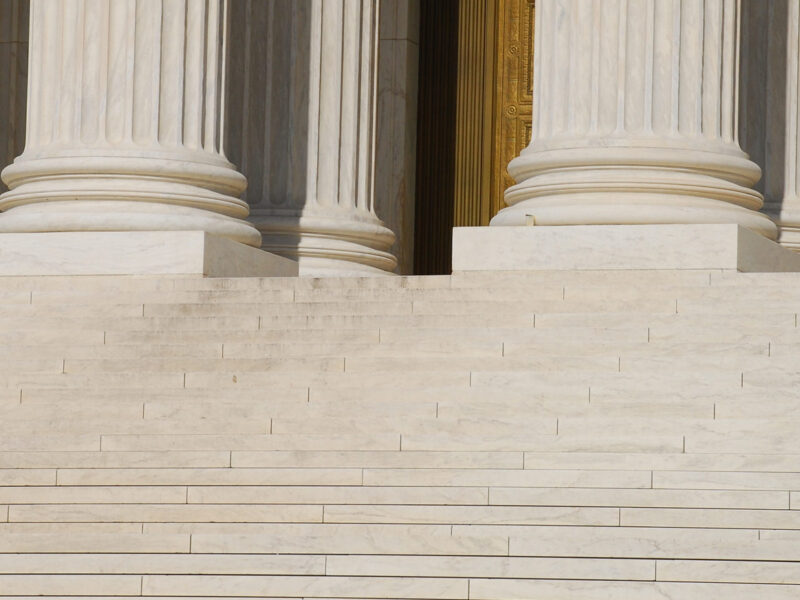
(118, 216)
(326, 246)
(126, 193)
(789, 226)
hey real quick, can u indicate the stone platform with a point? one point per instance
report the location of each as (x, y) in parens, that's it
(136, 253)
(588, 247)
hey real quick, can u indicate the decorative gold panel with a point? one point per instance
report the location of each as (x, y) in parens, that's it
(475, 114)
(493, 122)
(514, 91)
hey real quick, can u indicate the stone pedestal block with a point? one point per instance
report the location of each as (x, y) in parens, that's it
(136, 253)
(618, 247)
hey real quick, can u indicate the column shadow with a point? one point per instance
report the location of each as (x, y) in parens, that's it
(267, 107)
(762, 94)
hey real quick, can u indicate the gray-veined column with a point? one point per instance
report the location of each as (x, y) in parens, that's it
(303, 112)
(635, 118)
(789, 216)
(13, 78)
(124, 122)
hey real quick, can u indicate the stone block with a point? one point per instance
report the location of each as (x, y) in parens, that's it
(626, 247)
(136, 253)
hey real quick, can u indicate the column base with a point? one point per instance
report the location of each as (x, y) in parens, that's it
(640, 211)
(122, 216)
(136, 253)
(789, 229)
(618, 247)
(326, 246)
(635, 185)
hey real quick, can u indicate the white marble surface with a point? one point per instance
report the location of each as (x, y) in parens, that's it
(635, 118)
(136, 253)
(762, 99)
(13, 79)
(307, 438)
(124, 104)
(395, 161)
(304, 130)
(789, 215)
(585, 247)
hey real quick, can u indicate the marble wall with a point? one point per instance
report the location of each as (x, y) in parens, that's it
(13, 79)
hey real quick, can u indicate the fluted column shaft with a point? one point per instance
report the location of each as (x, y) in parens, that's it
(308, 132)
(124, 124)
(634, 118)
(789, 217)
(13, 78)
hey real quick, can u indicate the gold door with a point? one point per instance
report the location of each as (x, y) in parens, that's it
(493, 122)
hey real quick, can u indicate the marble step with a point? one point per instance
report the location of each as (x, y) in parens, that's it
(561, 589)
(256, 322)
(698, 278)
(706, 325)
(247, 336)
(682, 461)
(696, 327)
(688, 298)
(113, 284)
(516, 344)
(290, 365)
(399, 566)
(657, 305)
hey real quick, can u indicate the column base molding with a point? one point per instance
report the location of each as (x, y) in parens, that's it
(124, 216)
(789, 226)
(194, 253)
(327, 246)
(634, 186)
(618, 247)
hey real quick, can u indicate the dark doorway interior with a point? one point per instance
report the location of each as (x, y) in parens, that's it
(436, 136)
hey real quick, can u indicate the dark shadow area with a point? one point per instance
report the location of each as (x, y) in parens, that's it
(436, 135)
(14, 17)
(762, 94)
(267, 96)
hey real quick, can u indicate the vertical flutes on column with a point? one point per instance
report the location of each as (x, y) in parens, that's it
(13, 78)
(635, 118)
(124, 122)
(304, 131)
(789, 216)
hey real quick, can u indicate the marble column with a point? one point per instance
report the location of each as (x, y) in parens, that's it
(13, 79)
(124, 122)
(789, 215)
(304, 131)
(635, 118)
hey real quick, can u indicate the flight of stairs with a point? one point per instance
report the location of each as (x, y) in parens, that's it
(541, 435)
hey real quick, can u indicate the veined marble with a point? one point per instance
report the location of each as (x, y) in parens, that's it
(124, 120)
(306, 100)
(635, 118)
